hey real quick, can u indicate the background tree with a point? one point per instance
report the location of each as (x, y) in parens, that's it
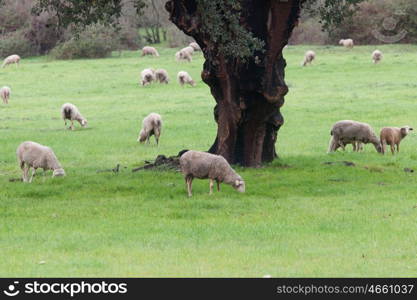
(242, 42)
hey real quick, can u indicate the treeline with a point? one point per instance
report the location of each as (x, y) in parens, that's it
(374, 22)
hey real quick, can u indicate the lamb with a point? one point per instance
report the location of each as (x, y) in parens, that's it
(70, 112)
(161, 75)
(308, 58)
(349, 132)
(148, 76)
(33, 155)
(151, 125)
(195, 46)
(196, 164)
(393, 136)
(184, 55)
(5, 94)
(185, 78)
(147, 50)
(348, 43)
(377, 56)
(12, 59)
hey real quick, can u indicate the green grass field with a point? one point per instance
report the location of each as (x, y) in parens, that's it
(299, 217)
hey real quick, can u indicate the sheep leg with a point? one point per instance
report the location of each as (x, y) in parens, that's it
(218, 185)
(25, 172)
(32, 175)
(211, 186)
(189, 182)
(384, 145)
(392, 149)
(72, 125)
(398, 147)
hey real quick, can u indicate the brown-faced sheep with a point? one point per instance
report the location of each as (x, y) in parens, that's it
(161, 75)
(196, 164)
(308, 58)
(5, 94)
(33, 155)
(12, 59)
(348, 132)
(147, 76)
(147, 50)
(185, 78)
(392, 136)
(151, 125)
(377, 56)
(70, 112)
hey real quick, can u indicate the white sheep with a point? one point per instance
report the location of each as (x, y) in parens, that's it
(33, 155)
(377, 56)
(350, 132)
(185, 78)
(392, 136)
(148, 76)
(5, 93)
(70, 112)
(147, 50)
(308, 58)
(347, 43)
(151, 125)
(184, 55)
(195, 46)
(161, 75)
(12, 59)
(196, 164)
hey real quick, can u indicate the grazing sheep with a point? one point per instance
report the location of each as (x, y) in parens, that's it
(147, 50)
(377, 56)
(308, 58)
(12, 59)
(33, 155)
(350, 132)
(196, 164)
(161, 75)
(147, 75)
(195, 46)
(185, 78)
(70, 112)
(151, 125)
(348, 43)
(184, 55)
(392, 136)
(5, 94)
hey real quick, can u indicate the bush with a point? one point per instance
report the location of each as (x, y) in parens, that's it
(15, 43)
(96, 41)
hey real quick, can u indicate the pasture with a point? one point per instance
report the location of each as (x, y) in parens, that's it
(299, 217)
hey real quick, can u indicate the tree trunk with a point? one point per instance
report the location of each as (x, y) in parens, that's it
(248, 94)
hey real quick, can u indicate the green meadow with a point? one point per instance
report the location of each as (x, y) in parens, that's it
(299, 217)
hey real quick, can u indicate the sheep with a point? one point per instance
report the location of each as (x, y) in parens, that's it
(348, 43)
(349, 132)
(184, 55)
(147, 50)
(148, 76)
(70, 112)
(33, 155)
(308, 58)
(185, 78)
(5, 94)
(12, 59)
(392, 136)
(151, 125)
(196, 164)
(195, 46)
(377, 56)
(161, 75)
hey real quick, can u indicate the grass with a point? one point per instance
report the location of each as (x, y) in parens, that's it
(299, 216)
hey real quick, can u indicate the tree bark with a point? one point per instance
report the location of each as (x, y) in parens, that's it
(249, 94)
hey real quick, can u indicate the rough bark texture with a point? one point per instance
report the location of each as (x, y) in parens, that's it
(248, 94)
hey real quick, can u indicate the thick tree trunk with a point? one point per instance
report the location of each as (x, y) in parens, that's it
(248, 94)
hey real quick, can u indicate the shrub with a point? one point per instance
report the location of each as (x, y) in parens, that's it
(96, 41)
(15, 43)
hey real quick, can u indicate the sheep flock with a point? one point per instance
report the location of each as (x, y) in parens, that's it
(194, 164)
